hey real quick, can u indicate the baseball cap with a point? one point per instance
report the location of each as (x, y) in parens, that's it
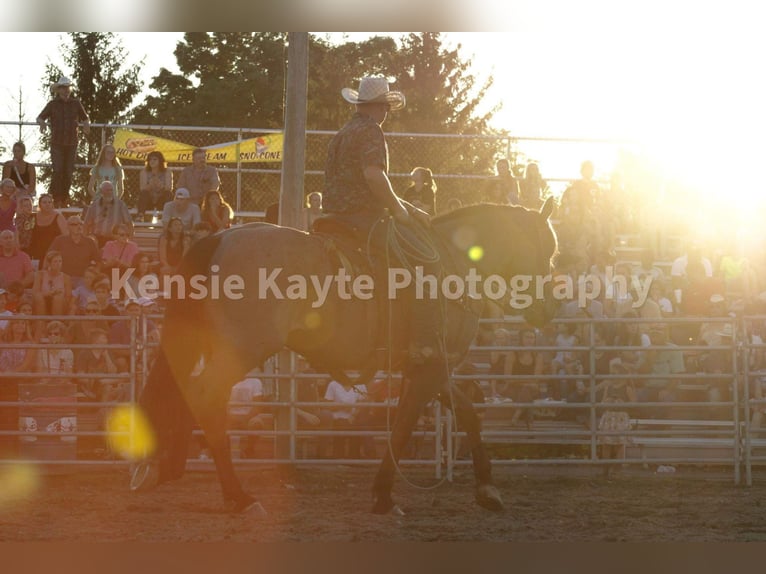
(182, 192)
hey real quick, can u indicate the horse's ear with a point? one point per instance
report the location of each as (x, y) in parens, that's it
(547, 208)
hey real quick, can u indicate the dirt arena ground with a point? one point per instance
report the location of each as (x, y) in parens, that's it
(332, 504)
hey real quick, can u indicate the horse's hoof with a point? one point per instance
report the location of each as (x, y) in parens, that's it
(144, 476)
(384, 505)
(487, 496)
(247, 505)
(255, 509)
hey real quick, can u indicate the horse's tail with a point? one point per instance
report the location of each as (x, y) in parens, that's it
(184, 342)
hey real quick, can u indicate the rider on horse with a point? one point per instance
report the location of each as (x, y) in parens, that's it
(359, 193)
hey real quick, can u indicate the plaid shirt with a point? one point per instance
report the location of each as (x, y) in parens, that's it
(101, 217)
(64, 116)
(360, 143)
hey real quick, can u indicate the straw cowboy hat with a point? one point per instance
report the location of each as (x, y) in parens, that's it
(62, 81)
(374, 90)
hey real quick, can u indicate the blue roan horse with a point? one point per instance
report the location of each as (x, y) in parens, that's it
(235, 335)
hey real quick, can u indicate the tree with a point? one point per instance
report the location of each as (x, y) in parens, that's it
(237, 80)
(105, 88)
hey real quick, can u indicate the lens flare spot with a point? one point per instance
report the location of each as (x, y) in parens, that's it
(475, 253)
(17, 481)
(129, 433)
(312, 320)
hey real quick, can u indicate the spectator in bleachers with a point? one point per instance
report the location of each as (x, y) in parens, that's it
(251, 416)
(658, 292)
(497, 364)
(142, 267)
(119, 253)
(173, 244)
(679, 271)
(54, 361)
(527, 362)
(78, 250)
(155, 183)
(581, 196)
(84, 290)
(566, 361)
(632, 361)
(216, 212)
(620, 294)
(312, 210)
(7, 205)
(199, 177)
(52, 289)
(106, 305)
(47, 224)
(79, 332)
(120, 332)
(14, 296)
(104, 213)
(107, 168)
(647, 268)
(4, 311)
(15, 265)
(663, 363)
(24, 222)
(342, 418)
(615, 420)
(532, 188)
(421, 191)
(99, 360)
(64, 113)
(183, 209)
(13, 360)
(504, 188)
(20, 171)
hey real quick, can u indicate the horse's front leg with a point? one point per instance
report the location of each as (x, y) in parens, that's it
(487, 494)
(420, 389)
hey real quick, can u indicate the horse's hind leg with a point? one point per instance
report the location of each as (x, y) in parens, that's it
(487, 494)
(419, 391)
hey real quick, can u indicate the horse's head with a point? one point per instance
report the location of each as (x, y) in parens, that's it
(511, 249)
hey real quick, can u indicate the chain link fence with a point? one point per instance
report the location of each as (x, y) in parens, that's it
(463, 165)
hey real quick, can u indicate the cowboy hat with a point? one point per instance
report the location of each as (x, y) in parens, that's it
(374, 90)
(63, 81)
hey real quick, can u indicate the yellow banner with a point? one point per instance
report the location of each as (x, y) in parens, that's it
(135, 146)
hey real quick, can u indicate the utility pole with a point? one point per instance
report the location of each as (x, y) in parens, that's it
(294, 150)
(291, 204)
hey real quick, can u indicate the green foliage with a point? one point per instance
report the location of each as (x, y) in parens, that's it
(238, 80)
(95, 63)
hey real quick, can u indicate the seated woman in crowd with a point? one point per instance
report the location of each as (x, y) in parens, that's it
(20, 171)
(52, 288)
(421, 191)
(84, 290)
(49, 223)
(13, 360)
(173, 245)
(24, 222)
(155, 183)
(107, 168)
(216, 212)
